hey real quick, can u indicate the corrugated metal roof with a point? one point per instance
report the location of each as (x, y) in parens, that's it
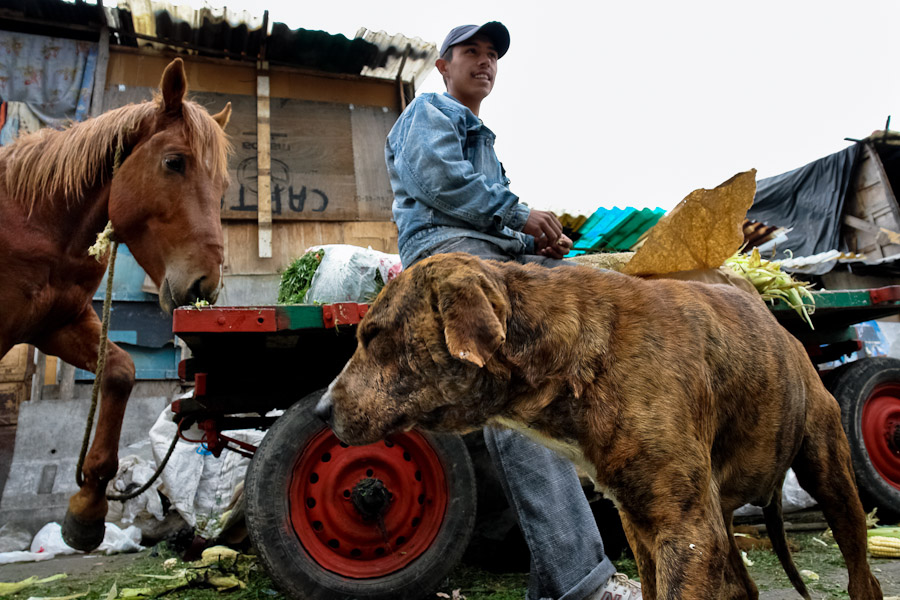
(239, 35)
(219, 29)
(318, 50)
(393, 56)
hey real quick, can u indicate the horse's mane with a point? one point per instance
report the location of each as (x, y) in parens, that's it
(53, 164)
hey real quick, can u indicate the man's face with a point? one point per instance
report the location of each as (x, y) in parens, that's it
(471, 72)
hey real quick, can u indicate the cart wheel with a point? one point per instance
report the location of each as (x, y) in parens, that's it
(868, 391)
(383, 521)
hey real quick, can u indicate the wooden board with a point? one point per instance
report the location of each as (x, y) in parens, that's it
(871, 200)
(291, 238)
(373, 186)
(134, 68)
(311, 161)
(327, 160)
(263, 164)
(11, 396)
(14, 367)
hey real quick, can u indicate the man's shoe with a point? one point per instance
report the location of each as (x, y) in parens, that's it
(619, 587)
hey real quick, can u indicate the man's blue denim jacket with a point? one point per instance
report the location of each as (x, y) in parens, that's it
(448, 181)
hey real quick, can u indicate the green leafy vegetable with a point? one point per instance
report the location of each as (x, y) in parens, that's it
(297, 277)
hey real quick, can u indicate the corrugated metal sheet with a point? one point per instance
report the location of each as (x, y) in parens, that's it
(222, 32)
(318, 50)
(392, 56)
(613, 229)
(53, 11)
(219, 30)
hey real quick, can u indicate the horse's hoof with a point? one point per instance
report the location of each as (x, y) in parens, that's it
(82, 535)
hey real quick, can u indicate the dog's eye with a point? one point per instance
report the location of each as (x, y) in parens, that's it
(367, 335)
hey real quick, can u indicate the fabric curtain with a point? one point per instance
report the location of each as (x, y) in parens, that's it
(44, 81)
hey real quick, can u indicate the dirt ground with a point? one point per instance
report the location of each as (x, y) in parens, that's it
(886, 571)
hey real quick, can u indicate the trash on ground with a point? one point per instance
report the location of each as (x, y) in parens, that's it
(14, 588)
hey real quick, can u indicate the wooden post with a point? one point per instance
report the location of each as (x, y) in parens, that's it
(97, 96)
(400, 88)
(263, 161)
(66, 380)
(37, 380)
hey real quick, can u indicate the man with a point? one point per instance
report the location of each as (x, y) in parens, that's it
(451, 194)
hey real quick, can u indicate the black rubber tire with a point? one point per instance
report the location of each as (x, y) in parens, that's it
(295, 571)
(852, 385)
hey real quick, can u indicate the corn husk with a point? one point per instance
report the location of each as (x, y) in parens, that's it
(772, 283)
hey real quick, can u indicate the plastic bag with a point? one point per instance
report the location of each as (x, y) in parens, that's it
(351, 274)
(793, 498)
(49, 540)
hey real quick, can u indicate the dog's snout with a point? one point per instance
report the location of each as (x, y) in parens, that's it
(323, 408)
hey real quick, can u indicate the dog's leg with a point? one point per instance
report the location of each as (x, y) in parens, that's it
(738, 584)
(775, 528)
(687, 544)
(824, 470)
(642, 557)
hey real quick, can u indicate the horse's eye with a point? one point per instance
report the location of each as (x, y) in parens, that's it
(174, 162)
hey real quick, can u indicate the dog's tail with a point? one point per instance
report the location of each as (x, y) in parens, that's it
(775, 527)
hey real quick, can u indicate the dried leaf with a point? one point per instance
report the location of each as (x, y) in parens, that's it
(701, 232)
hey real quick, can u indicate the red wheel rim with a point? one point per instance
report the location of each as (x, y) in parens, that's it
(332, 529)
(880, 420)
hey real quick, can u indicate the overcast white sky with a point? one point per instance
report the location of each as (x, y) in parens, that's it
(637, 103)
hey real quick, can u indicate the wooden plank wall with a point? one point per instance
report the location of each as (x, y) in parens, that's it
(872, 201)
(328, 178)
(16, 369)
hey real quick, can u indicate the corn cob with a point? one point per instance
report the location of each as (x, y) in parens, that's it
(885, 547)
(893, 532)
(771, 282)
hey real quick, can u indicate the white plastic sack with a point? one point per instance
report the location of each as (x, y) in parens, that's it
(200, 486)
(793, 498)
(348, 274)
(147, 506)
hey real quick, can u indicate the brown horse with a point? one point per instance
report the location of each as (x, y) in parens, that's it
(157, 171)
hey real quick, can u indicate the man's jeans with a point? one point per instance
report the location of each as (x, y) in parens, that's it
(567, 557)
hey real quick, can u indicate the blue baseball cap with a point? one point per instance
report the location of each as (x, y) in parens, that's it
(495, 30)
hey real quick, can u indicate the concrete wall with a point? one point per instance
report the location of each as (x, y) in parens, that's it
(48, 441)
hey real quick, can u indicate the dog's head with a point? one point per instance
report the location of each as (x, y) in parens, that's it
(424, 351)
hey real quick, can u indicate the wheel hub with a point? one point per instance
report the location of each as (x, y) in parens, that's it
(367, 511)
(880, 428)
(370, 498)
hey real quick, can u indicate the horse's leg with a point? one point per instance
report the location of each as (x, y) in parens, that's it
(78, 344)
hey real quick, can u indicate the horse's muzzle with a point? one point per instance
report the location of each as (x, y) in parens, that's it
(171, 296)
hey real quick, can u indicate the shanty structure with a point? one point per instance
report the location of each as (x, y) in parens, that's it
(311, 111)
(839, 216)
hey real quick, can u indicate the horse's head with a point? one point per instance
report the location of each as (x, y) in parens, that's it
(164, 199)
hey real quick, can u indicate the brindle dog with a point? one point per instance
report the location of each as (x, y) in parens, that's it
(683, 400)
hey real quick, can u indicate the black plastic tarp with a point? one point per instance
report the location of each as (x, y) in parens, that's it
(810, 201)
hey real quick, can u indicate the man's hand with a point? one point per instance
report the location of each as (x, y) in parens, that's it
(548, 236)
(559, 249)
(543, 225)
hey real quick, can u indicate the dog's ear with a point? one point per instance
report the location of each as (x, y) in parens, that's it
(474, 311)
